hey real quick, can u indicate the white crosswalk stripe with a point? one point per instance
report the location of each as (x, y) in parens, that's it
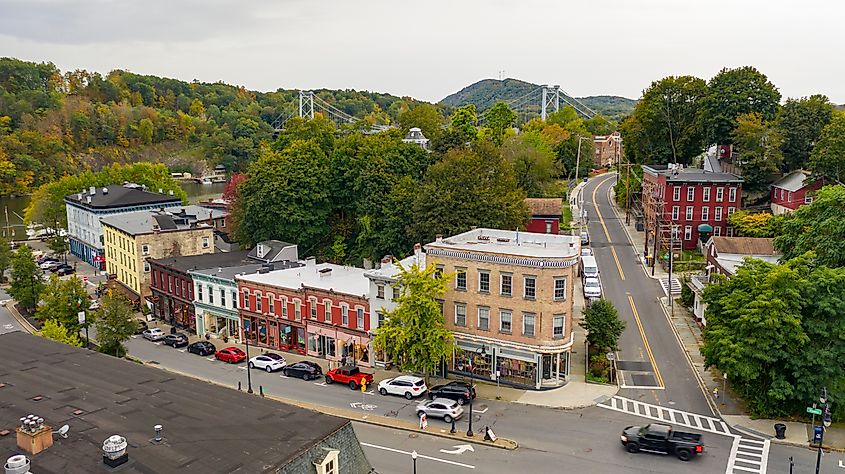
(667, 415)
(748, 455)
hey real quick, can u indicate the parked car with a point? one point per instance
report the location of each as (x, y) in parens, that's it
(592, 288)
(153, 334)
(65, 269)
(349, 375)
(586, 252)
(408, 386)
(56, 268)
(176, 340)
(585, 238)
(461, 392)
(269, 362)
(660, 438)
(232, 355)
(441, 408)
(141, 326)
(49, 264)
(95, 305)
(306, 370)
(203, 348)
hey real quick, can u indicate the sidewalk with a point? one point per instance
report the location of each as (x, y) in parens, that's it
(727, 405)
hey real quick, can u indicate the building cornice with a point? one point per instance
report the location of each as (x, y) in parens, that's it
(530, 262)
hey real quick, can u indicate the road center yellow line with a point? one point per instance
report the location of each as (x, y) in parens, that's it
(645, 342)
(606, 233)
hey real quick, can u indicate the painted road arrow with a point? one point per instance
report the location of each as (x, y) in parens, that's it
(459, 449)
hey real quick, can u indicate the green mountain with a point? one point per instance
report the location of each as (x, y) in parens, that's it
(487, 92)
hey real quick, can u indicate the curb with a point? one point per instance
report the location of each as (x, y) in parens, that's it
(615, 209)
(501, 443)
(20, 319)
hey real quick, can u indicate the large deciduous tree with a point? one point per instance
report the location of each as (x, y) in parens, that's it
(733, 92)
(469, 187)
(26, 283)
(499, 119)
(759, 151)
(532, 161)
(424, 116)
(761, 224)
(666, 125)
(285, 196)
(52, 329)
(115, 323)
(828, 156)
(818, 227)
(413, 335)
(603, 325)
(63, 300)
(5, 258)
(800, 123)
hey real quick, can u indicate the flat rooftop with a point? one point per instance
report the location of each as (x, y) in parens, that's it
(324, 276)
(172, 219)
(510, 242)
(691, 175)
(117, 196)
(207, 428)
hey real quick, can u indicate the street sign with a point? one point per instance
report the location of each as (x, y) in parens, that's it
(814, 411)
(817, 434)
(611, 356)
(81, 316)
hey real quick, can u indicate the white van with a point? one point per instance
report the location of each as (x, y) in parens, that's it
(589, 267)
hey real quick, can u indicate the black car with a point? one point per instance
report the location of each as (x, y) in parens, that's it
(203, 348)
(141, 327)
(461, 392)
(661, 438)
(306, 370)
(64, 269)
(176, 340)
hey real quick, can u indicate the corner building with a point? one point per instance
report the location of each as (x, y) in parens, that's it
(509, 304)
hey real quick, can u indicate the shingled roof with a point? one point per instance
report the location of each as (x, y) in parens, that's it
(744, 245)
(544, 206)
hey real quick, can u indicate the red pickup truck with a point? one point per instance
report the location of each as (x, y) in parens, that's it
(349, 375)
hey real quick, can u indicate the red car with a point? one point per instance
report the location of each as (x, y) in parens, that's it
(349, 375)
(232, 355)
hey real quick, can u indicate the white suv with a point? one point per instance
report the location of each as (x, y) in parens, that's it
(407, 386)
(153, 334)
(592, 288)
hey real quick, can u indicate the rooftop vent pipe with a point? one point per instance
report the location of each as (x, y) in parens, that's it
(18, 464)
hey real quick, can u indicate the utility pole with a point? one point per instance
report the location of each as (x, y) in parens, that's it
(627, 193)
(671, 256)
(654, 255)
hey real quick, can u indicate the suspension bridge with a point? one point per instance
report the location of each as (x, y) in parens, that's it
(541, 101)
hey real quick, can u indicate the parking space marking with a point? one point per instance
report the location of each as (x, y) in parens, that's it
(322, 384)
(212, 359)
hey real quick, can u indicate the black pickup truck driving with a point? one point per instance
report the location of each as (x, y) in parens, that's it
(659, 438)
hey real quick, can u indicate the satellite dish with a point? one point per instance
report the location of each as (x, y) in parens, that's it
(63, 431)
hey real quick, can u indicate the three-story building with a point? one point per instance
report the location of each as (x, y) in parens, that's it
(510, 304)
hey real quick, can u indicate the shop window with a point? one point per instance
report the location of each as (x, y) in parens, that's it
(484, 318)
(507, 284)
(484, 281)
(460, 314)
(461, 279)
(528, 324)
(505, 321)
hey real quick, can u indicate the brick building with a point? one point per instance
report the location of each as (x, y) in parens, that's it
(319, 309)
(608, 149)
(510, 305)
(694, 201)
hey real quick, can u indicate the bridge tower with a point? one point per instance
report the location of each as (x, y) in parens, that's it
(306, 104)
(551, 100)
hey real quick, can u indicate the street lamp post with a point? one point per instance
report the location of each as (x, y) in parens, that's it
(248, 374)
(414, 459)
(826, 422)
(481, 351)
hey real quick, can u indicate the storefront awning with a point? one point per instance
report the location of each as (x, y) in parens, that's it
(705, 228)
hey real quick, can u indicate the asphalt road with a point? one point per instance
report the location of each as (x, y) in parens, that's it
(586, 440)
(7, 322)
(650, 355)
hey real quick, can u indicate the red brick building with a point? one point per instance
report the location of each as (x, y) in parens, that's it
(608, 149)
(545, 215)
(694, 201)
(320, 310)
(793, 191)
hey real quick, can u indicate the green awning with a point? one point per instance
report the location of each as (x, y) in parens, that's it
(705, 228)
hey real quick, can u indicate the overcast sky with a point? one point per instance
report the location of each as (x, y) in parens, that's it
(431, 48)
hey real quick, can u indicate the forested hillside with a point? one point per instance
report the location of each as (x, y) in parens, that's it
(487, 92)
(54, 123)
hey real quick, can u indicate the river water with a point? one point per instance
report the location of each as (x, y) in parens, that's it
(14, 207)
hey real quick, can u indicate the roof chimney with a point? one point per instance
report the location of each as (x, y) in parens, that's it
(439, 238)
(170, 192)
(88, 199)
(417, 251)
(310, 262)
(92, 190)
(387, 260)
(160, 191)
